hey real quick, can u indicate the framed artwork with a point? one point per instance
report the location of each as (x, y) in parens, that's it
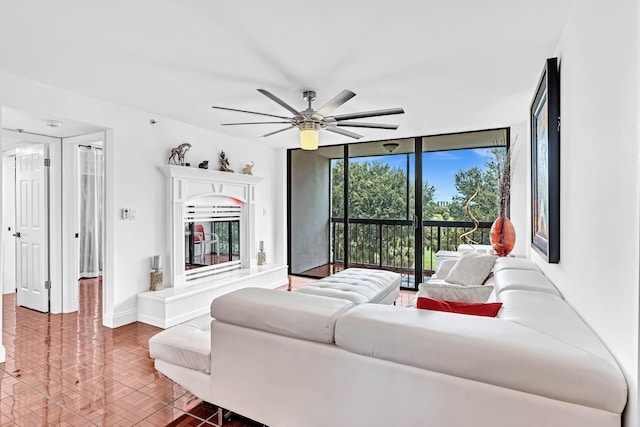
(545, 164)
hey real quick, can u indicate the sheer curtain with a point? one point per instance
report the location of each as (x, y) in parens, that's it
(91, 209)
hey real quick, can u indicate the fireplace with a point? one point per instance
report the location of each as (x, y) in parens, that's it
(211, 242)
(211, 223)
(212, 236)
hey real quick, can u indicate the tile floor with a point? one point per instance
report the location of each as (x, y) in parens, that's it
(69, 370)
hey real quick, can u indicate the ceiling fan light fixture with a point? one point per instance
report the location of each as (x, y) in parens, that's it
(309, 136)
(310, 121)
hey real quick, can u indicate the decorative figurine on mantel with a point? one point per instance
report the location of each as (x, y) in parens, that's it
(224, 163)
(204, 164)
(248, 168)
(177, 154)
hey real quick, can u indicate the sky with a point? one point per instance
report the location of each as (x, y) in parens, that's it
(439, 168)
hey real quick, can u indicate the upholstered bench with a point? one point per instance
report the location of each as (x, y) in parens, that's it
(358, 285)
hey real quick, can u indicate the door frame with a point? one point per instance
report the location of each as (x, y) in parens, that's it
(418, 228)
(8, 263)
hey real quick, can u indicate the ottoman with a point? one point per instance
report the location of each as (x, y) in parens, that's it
(358, 285)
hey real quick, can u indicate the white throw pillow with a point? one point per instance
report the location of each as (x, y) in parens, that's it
(471, 269)
(459, 293)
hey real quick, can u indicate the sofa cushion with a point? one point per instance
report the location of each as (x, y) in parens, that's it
(451, 292)
(471, 269)
(358, 285)
(187, 344)
(485, 349)
(471, 308)
(292, 314)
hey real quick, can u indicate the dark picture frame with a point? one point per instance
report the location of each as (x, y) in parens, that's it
(545, 164)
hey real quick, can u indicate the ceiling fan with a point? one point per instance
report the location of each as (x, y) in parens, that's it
(310, 121)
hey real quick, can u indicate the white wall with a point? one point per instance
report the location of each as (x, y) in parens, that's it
(599, 258)
(519, 204)
(133, 150)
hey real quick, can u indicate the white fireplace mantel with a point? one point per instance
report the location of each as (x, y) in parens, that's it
(186, 185)
(188, 297)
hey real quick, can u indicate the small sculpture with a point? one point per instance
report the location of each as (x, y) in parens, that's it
(177, 154)
(204, 164)
(467, 208)
(224, 163)
(248, 168)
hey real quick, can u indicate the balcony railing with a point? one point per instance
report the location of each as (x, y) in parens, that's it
(390, 244)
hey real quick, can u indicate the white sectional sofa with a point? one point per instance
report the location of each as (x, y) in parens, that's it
(291, 359)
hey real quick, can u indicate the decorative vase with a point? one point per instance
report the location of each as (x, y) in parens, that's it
(262, 257)
(156, 277)
(502, 235)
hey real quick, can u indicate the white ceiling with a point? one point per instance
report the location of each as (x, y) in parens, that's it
(452, 65)
(40, 124)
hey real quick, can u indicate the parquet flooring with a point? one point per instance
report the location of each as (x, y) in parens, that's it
(70, 370)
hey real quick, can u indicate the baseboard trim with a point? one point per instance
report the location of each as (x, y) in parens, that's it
(120, 319)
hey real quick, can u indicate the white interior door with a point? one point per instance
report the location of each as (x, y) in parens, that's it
(32, 252)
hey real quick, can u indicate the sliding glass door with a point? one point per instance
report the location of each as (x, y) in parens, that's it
(380, 200)
(460, 174)
(358, 205)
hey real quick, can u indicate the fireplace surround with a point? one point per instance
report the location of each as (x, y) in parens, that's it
(213, 200)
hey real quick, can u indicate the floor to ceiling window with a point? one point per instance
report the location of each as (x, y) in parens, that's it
(359, 205)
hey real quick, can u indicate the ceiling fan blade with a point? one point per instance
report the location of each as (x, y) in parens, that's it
(279, 101)
(278, 131)
(386, 112)
(367, 125)
(334, 103)
(343, 132)
(251, 123)
(250, 112)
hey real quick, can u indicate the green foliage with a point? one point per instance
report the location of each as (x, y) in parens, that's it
(376, 191)
(337, 188)
(379, 191)
(429, 206)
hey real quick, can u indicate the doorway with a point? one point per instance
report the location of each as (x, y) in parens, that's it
(83, 215)
(61, 193)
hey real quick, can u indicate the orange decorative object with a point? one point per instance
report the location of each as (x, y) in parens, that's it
(503, 236)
